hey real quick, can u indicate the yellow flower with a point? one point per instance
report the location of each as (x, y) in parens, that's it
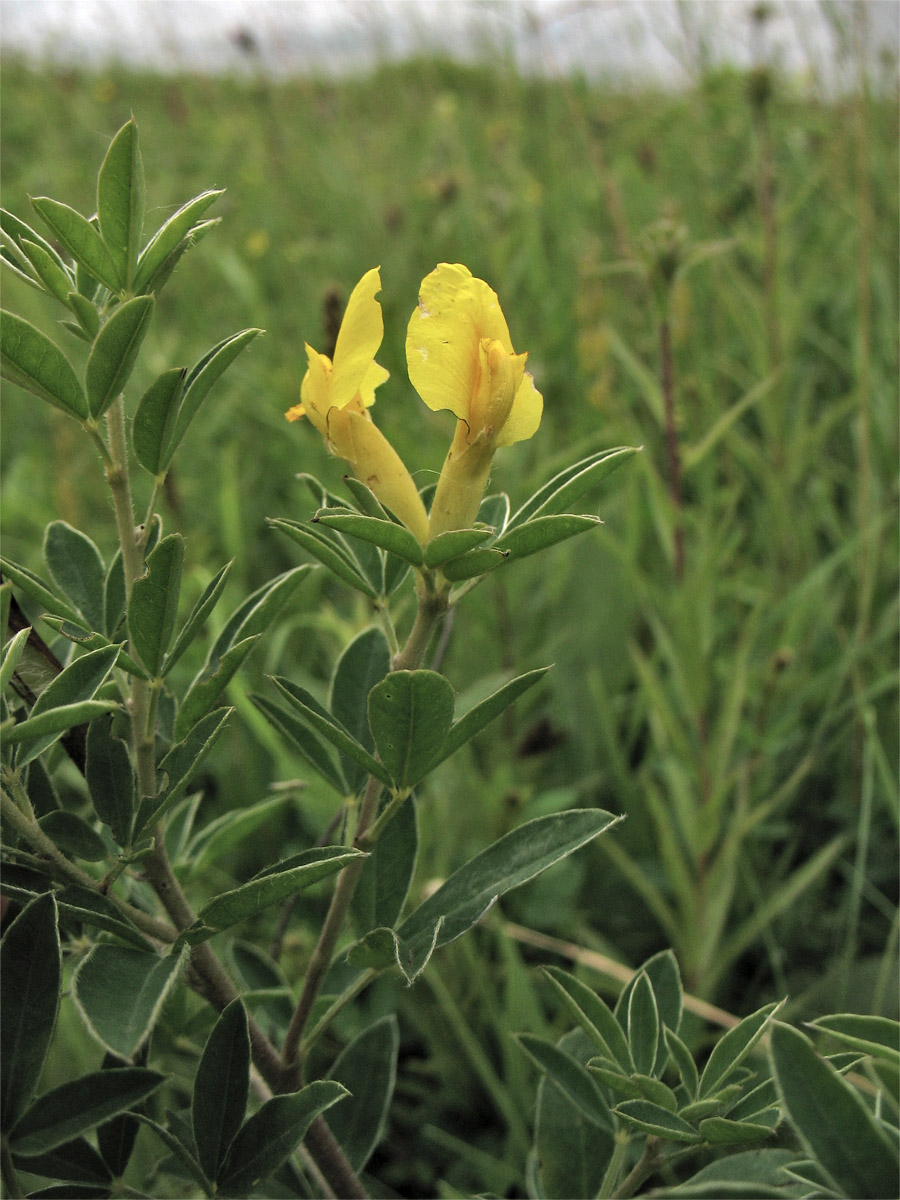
(461, 358)
(336, 396)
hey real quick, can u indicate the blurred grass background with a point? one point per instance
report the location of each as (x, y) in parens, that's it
(744, 716)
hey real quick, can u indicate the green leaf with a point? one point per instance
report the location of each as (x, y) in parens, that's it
(74, 836)
(731, 1049)
(593, 1015)
(662, 971)
(476, 562)
(77, 569)
(719, 1131)
(198, 615)
(70, 1110)
(17, 231)
(82, 241)
(110, 779)
(569, 1075)
(367, 1068)
(757, 1172)
(572, 1152)
(55, 278)
(153, 606)
(30, 981)
(206, 689)
(386, 534)
(387, 873)
(331, 552)
(684, 1061)
(179, 1150)
(75, 1162)
(179, 766)
(12, 653)
(229, 908)
(465, 897)
(120, 200)
(169, 237)
(114, 595)
(257, 612)
(410, 713)
(651, 1118)
(481, 715)
(43, 730)
(304, 741)
(28, 358)
(86, 313)
(452, 544)
(832, 1119)
(323, 722)
(878, 1036)
(115, 352)
(643, 1025)
(67, 701)
(202, 377)
(542, 532)
(120, 992)
(571, 484)
(38, 589)
(221, 1086)
(272, 1133)
(98, 911)
(154, 420)
(116, 1137)
(363, 664)
(87, 639)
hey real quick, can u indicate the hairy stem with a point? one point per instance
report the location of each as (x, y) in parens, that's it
(642, 1169)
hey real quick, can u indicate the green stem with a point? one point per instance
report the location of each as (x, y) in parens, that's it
(642, 1169)
(621, 1143)
(668, 389)
(120, 486)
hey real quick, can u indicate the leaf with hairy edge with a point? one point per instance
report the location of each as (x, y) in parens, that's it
(72, 1109)
(120, 200)
(832, 1119)
(324, 723)
(28, 358)
(571, 484)
(304, 741)
(81, 240)
(74, 686)
(169, 236)
(388, 871)
(99, 912)
(643, 1024)
(257, 612)
(593, 1015)
(12, 653)
(77, 569)
(878, 1036)
(385, 534)
(38, 589)
(154, 420)
(272, 1133)
(198, 615)
(229, 908)
(452, 544)
(731, 1049)
(651, 1118)
(115, 352)
(56, 279)
(87, 639)
(177, 1147)
(233, 828)
(410, 713)
(662, 971)
(17, 232)
(45, 728)
(363, 664)
(74, 836)
(221, 1086)
(517, 857)
(475, 562)
(153, 606)
(76, 1162)
(330, 552)
(120, 992)
(206, 689)
(569, 1075)
(30, 981)
(368, 1069)
(178, 768)
(110, 780)
(542, 532)
(481, 715)
(202, 377)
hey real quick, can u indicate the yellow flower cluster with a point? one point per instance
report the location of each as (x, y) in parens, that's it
(460, 357)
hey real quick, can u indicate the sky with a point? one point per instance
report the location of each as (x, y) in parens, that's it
(627, 40)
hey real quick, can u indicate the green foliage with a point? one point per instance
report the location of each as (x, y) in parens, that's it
(736, 703)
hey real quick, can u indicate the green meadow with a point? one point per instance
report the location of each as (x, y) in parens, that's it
(711, 272)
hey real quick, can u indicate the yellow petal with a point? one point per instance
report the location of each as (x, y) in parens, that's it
(525, 415)
(455, 313)
(316, 388)
(358, 340)
(374, 377)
